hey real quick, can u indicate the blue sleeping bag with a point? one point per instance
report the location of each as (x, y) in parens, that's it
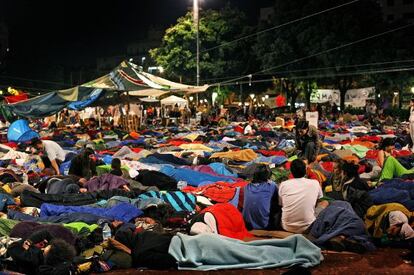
(121, 212)
(193, 178)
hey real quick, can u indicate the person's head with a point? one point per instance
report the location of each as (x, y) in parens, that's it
(412, 102)
(387, 145)
(59, 251)
(302, 127)
(262, 173)
(116, 164)
(87, 152)
(350, 169)
(37, 143)
(298, 168)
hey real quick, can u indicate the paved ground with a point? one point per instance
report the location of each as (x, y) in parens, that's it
(382, 261)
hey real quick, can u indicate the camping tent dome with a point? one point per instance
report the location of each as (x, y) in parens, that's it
(19, 131)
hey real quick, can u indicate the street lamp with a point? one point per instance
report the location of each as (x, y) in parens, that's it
(191, 98)
(252, 96)
(266, 96)
(412, 90)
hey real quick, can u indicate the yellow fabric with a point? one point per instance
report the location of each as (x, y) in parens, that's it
(7, 188)
(69, 94)
(195, 147)
(192, 137)
(242, 155)
(328, 189)
(321, 156)
(85, 267)
(376, 213)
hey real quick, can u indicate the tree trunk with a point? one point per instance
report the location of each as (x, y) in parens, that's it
(308, 95)
(294, 96)
(344, 84)
(342, 92)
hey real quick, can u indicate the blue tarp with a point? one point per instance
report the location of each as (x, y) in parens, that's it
(19, 131)
(79, 105)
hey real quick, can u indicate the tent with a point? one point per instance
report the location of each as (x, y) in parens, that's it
(172, 100)
(104, 91)
(19, 131)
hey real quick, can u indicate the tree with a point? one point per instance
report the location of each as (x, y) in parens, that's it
(301, 50)
(177, 54)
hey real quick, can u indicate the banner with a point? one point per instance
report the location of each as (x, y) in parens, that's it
(325, 95)
(356, 97)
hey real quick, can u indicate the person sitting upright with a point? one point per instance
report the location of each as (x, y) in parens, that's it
(307, 141)
(258, 199)
(116, 167)
(391, 167)
(298, 198)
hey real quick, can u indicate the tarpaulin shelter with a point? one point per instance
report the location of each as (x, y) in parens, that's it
(19, 131)
(103, 91)
(53, 102)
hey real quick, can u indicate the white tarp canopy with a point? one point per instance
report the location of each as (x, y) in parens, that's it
(149, 92)
(172, 100)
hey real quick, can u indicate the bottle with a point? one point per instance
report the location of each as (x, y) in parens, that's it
(181, 184)
(106, 232)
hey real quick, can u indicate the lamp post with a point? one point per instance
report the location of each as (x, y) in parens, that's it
(197, 23)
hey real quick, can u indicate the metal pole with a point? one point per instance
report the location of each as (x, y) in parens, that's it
(197, 22)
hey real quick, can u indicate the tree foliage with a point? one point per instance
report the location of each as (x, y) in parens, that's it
(322, 47)
(177, 54)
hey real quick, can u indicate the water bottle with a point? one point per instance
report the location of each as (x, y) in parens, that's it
(181, 184)
(106, 232)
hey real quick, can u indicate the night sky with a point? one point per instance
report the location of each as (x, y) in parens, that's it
(73, 33)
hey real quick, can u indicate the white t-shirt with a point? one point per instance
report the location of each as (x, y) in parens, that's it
(53, 150)
(298, 199)
(248, 130)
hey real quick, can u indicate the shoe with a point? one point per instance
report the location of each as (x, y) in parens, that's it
(354, 246)
(336, 244)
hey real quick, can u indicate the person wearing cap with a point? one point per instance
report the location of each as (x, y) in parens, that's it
(54, 153)
(307, 141)
(83, 165)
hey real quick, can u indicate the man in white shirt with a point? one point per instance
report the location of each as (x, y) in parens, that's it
(248, 130)
(298, 198)
(53, 151)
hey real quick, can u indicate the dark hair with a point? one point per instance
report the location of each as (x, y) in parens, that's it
(116, 164)
(262, 173)
(302, 124)
(386, 142)
(35, 141)
(116, 167)
(60, 251)
(350, 169)
(412, 99)
(298, 168)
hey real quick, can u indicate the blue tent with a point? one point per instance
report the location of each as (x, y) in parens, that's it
(19, 131)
